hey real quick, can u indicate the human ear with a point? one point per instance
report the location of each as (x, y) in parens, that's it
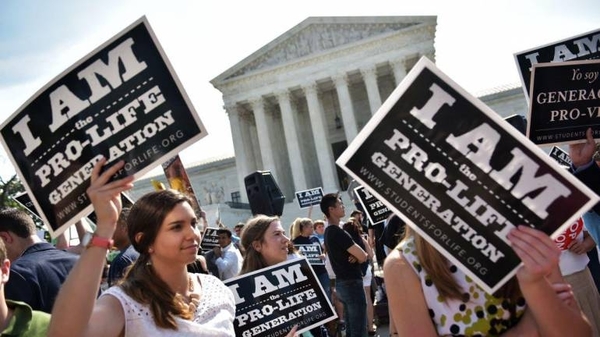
(6, 237)
(256, 245)
(5, 268)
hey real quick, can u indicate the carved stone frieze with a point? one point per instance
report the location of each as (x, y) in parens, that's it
(317, 38)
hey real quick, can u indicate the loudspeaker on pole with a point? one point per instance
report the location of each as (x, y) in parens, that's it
(264, 194)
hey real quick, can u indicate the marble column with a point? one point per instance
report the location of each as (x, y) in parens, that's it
(346, 108)
(370, 77)
(263, 130)
(288, 116)
(241, 162)
(319, 128)
(399, 68)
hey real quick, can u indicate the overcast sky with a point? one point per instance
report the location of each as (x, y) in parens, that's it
(475, 41)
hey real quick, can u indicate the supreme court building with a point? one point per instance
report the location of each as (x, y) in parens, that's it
(295, 104)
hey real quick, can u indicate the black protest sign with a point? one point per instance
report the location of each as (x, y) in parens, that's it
(312, 253)
(565, 102)
(585, 46)
(376, 210)
(24, 200)
(460, 175)
(210, 239)
(122, 101)
(126, 202)
(270, 301)
(560, 155)
(309, 198)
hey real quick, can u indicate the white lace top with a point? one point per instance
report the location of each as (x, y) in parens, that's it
(214, 316)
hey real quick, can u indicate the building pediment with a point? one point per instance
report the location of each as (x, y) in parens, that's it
(317, 35)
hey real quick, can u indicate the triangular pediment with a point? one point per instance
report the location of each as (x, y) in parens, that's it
(317, 35)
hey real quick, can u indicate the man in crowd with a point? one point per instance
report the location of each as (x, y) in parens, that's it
(227, 257)
(38, 269)
(127, 254)
(17, 318)
(346, 257)
(237, 229)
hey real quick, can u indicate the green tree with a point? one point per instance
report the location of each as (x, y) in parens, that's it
(8, 189)
(11, 188)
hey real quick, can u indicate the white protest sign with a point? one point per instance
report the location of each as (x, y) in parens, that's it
(122, 101)
(460, 175)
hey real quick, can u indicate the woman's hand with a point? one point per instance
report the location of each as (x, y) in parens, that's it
(582, 153)
(536, 250)
(106, 196)
(584, 246)
(292, 332)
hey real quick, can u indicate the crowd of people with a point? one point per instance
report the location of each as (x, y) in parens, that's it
(161, 283)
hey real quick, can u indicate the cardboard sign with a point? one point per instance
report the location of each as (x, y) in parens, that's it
(312, 253)
(560, 155)
(24, 200)
(179, 181)
(270, 301)
(309, 198)
(376, 210)
(581, 47)
(565, 102)
(460, 175)
(122, 101)
(210, 239)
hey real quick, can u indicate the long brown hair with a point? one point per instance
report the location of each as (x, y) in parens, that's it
(436, 267)
(141, 281)
(254, 230)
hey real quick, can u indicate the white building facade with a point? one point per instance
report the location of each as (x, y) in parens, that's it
(295, 104)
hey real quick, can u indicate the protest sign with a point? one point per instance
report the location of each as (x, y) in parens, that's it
(179, 181)
(122, 101)
(461, 176)
(560, 155)
(376, 210)
(565, 239)
(312, 253)
(565, 102)
(24, 200)
(309, 198)
(581, 47)
(210, 239)
(270, 301)
(126, 202)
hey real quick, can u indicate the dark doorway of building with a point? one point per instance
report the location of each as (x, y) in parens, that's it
(343, 178)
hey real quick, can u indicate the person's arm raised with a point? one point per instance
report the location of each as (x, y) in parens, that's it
(539, 254)
(75, 312)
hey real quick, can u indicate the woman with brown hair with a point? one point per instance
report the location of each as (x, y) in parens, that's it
(264, 244)
(157, 296)
(429, 296)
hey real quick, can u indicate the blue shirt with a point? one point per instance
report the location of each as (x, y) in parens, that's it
(118, 265)
(37, 275)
